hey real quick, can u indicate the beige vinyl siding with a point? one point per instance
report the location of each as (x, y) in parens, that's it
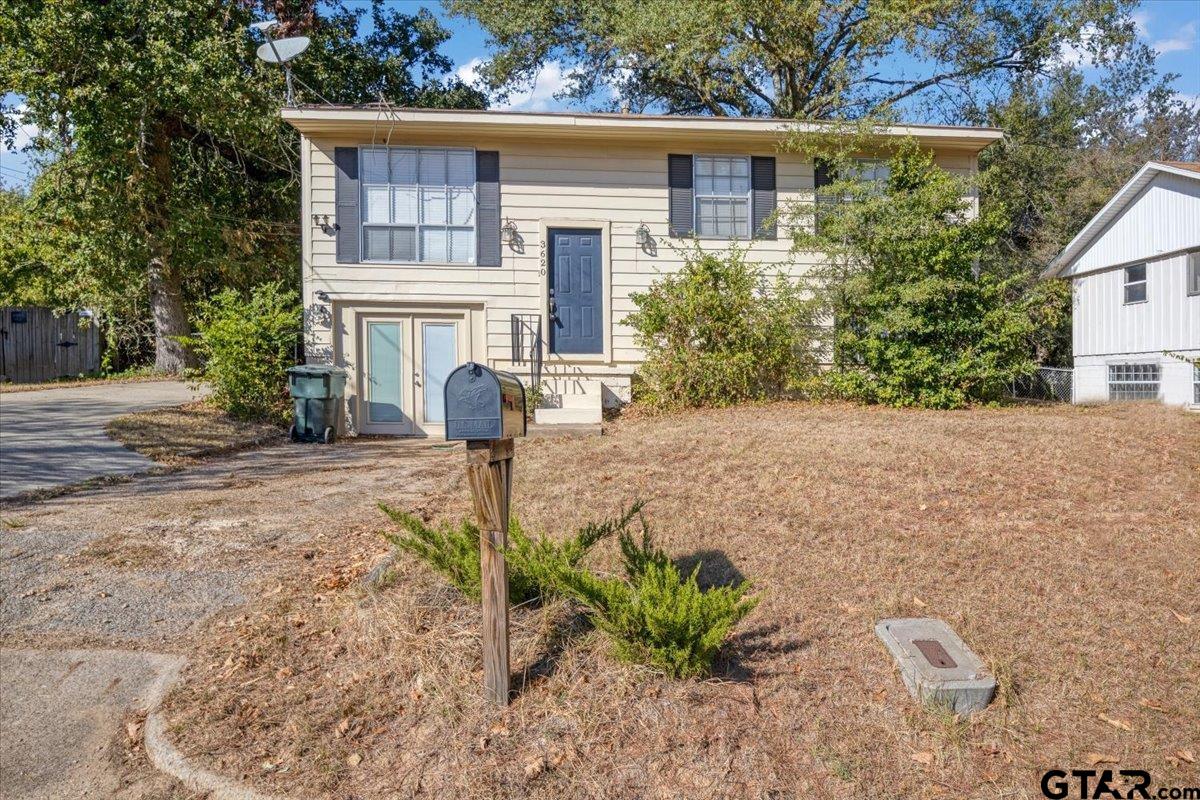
(625, 185)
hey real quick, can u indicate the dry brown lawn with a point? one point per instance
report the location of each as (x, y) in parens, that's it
(1062, 543)
(179, 434)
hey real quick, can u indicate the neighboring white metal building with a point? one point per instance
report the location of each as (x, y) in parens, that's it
(1135, 273)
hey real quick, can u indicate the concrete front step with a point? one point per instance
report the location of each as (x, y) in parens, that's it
(569, 416)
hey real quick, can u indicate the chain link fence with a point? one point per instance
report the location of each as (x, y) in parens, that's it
(1048, 383)
(1051, 384)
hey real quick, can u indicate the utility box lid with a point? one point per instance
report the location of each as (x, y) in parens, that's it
(936, 664)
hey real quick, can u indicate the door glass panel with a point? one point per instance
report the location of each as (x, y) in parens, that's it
(385, 401)
(439, 357)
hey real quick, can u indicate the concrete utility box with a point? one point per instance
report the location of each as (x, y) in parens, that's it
(484, 404)
(936, 665)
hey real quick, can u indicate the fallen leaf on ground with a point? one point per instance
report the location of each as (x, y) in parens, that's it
(354, 760)
(1186, 755)
(1147, 703)
(1116, 723)
(132, 729)
(535, 767)
(924, 757)
(1100, 758)
(919, 603)
(1186, 620)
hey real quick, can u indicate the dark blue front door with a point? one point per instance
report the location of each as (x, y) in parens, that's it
(576, 291)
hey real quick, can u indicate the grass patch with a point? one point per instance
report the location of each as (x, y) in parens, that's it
(1051, 567)
(122, 552)
(179, 434)
(140, 375)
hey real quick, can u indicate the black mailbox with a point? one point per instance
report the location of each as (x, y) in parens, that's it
(483, 403)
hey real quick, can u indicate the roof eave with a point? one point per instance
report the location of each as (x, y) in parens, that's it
(315, 121)
(1106, 214)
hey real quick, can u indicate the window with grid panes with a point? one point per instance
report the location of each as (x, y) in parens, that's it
(1133, 381)
(418, 205)
(722, 188)
(1135, 284)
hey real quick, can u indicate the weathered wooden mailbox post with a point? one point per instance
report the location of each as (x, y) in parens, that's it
(486, 409)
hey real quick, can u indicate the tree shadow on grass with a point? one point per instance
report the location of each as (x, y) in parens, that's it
(715, 569)
(563, 634)
(748, 654)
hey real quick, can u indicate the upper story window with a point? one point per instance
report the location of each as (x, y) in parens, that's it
(722, 196)
(873, 171)
(1135, 284)
(1193, 274)
(418, 205)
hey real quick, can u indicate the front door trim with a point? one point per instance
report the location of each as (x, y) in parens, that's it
(605, 229)
(349, 351)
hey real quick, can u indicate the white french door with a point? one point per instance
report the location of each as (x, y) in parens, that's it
(405, 360)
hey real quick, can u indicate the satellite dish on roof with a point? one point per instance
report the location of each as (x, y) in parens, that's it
(281, 51)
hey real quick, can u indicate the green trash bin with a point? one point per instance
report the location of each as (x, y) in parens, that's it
(317, 391)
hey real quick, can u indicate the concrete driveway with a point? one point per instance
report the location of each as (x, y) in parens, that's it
(54, 437)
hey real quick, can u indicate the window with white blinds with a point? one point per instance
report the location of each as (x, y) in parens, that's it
(418, 205)
(722, 189)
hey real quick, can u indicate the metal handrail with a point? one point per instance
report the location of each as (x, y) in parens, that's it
(527, 345)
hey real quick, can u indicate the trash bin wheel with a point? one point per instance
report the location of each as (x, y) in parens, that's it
(330, 435)
(293, 434)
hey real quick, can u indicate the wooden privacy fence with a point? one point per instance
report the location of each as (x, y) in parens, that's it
(36, 345)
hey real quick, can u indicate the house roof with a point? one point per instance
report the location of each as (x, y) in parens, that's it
(357, 120)
(1115, 207)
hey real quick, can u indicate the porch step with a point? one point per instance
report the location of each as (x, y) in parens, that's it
(587, 415)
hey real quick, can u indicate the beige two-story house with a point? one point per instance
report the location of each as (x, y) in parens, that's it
(513, 239)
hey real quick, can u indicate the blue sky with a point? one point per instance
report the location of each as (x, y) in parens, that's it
(1172, 27)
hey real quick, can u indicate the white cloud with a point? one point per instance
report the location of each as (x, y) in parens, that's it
(25, 133)
(1073, 54)
(538, 96)
(1141, 22)
(1184, 39)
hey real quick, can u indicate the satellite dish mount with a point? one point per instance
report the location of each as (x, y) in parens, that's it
(281, 51)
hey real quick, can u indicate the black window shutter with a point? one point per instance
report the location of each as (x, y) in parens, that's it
(345, 195)
(822, 174)
(680, 203)
(763, 198)
(487, 179)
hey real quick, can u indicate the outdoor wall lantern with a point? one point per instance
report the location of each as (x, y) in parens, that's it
(642, 235)
(508, 231)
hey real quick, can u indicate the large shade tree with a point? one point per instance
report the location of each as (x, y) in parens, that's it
(788, 58)
(166, 171)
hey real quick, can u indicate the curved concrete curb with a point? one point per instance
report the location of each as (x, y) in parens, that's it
(166, 758)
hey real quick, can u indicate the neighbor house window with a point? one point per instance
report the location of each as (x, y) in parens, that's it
(1133, 381)
(1135, 284)
(1193, 274)
(1196, 384)
(722, 185)
(418, 205)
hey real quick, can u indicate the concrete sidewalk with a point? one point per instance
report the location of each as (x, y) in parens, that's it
(86, 694)
(55, 437)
